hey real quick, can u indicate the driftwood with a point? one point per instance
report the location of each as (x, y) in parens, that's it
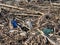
(14, 7)
(47, 37)
(57, 4)
(17, 35)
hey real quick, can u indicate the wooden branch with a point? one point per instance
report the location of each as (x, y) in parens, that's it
(18, 8)
(58, 4)
(26, 15)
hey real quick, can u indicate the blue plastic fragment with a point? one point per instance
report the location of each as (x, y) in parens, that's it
(14, 23)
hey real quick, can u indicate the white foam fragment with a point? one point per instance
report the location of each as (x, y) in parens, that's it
(12, 30)
(23, 33)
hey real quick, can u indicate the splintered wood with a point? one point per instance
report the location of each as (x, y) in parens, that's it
(31, 19)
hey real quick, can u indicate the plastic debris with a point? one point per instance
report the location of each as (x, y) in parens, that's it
(16, 28)
(47, 31)
(14, 23)
(29, 23)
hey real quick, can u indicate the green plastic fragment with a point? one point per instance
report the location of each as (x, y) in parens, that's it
(47, 31)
